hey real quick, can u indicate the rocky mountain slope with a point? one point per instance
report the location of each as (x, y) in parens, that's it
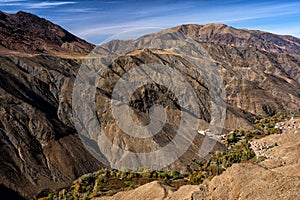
(27, 33)
(258, 82)
(39, 145)
(275, 177)
(40, 148)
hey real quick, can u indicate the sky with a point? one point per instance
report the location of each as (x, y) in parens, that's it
(97, 21)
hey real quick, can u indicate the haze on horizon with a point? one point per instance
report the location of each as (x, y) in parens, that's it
(96, 20)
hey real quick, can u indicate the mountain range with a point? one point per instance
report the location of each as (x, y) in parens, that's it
(40, 148)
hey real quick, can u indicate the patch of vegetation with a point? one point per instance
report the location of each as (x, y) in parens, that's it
(108, 182)
(264, 127)
(267, 124)
(220, 161)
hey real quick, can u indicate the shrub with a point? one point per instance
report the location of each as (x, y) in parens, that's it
(127, 182)
(50, 196)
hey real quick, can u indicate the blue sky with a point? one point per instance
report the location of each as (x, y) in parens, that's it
(97, 20)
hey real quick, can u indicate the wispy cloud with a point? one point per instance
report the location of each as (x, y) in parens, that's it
(12, 2)
(105, 29)
(9, 1)
(256, 11)
(48, 4)
(79, 10)
(122, 32)
(34, 5)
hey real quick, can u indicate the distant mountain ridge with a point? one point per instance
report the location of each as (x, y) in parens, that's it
(227, 35)
(223, 34)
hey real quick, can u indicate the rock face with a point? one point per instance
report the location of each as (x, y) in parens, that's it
(144, 98)
(39, 146)
(257, 82)
(26, 33)
(40, 149)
